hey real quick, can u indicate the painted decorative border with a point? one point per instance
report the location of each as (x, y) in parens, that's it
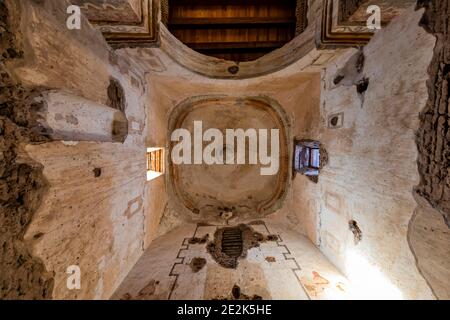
(145, 33)
(106, 6)
(185, 247)
(274, 109)
(335, 34)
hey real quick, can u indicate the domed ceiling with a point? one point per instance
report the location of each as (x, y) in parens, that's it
(237, 189)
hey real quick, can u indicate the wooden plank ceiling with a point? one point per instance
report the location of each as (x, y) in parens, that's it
(237, 30)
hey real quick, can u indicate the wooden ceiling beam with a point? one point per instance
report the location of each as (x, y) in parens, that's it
(232, 2)
(187, 23)
(235, 45)
(222, 28)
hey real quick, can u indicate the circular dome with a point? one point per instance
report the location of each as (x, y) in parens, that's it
(207, 190)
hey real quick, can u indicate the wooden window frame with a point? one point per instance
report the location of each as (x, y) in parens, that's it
(155, 163)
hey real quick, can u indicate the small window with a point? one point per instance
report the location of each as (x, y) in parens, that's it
(307, 157)
(155, 163)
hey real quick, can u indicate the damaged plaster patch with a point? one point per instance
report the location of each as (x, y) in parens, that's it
(336, 120)
(352, 74)
(97, 172)
(233, 69)
(362, 86)
(196, 240)
(116, 100)
(116, 95)
(146, 293)
(429, 227)
(232, 243)
(433, 136)
(197, 264)
(354, 228)
(148, 290)
(237, 294)
(22, 183)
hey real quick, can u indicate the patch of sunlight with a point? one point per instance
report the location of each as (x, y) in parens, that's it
(153, 175)
(367, 281)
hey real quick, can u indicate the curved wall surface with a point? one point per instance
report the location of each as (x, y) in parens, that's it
(210, 190)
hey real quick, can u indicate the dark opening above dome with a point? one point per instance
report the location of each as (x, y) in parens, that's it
(237, 30)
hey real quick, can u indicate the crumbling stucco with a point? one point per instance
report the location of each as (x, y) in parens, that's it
(433, 137)
(99, 213)
(94, 209)
(22, 184)
(372, 166)
(429, 228)
(248, 239)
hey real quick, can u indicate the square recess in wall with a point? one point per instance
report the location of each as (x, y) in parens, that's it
(155, 163)
(336, 120)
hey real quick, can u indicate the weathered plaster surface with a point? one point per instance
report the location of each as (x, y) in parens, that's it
(123, 11)
(301, 46)
(372, 166)
(293, 91)
(211, 190)
(270, 271)
(428, 233)
(64, 116)
(429, 238)
(22, 184)
(389, 9)
(100, 213)
(92, 214)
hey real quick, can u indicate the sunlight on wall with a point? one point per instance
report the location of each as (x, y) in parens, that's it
(367, 281)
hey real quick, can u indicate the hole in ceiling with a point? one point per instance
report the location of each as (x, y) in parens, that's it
(357, 233)
(334, 121)
(97, 172)
(362, 85)
(233, 69)
(232, 242)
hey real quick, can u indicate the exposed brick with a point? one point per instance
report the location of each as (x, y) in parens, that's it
(433, 137)
(22, 185)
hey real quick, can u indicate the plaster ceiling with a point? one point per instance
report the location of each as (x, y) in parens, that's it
(209, 190)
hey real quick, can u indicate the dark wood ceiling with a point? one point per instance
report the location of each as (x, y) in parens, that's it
(237, 30)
